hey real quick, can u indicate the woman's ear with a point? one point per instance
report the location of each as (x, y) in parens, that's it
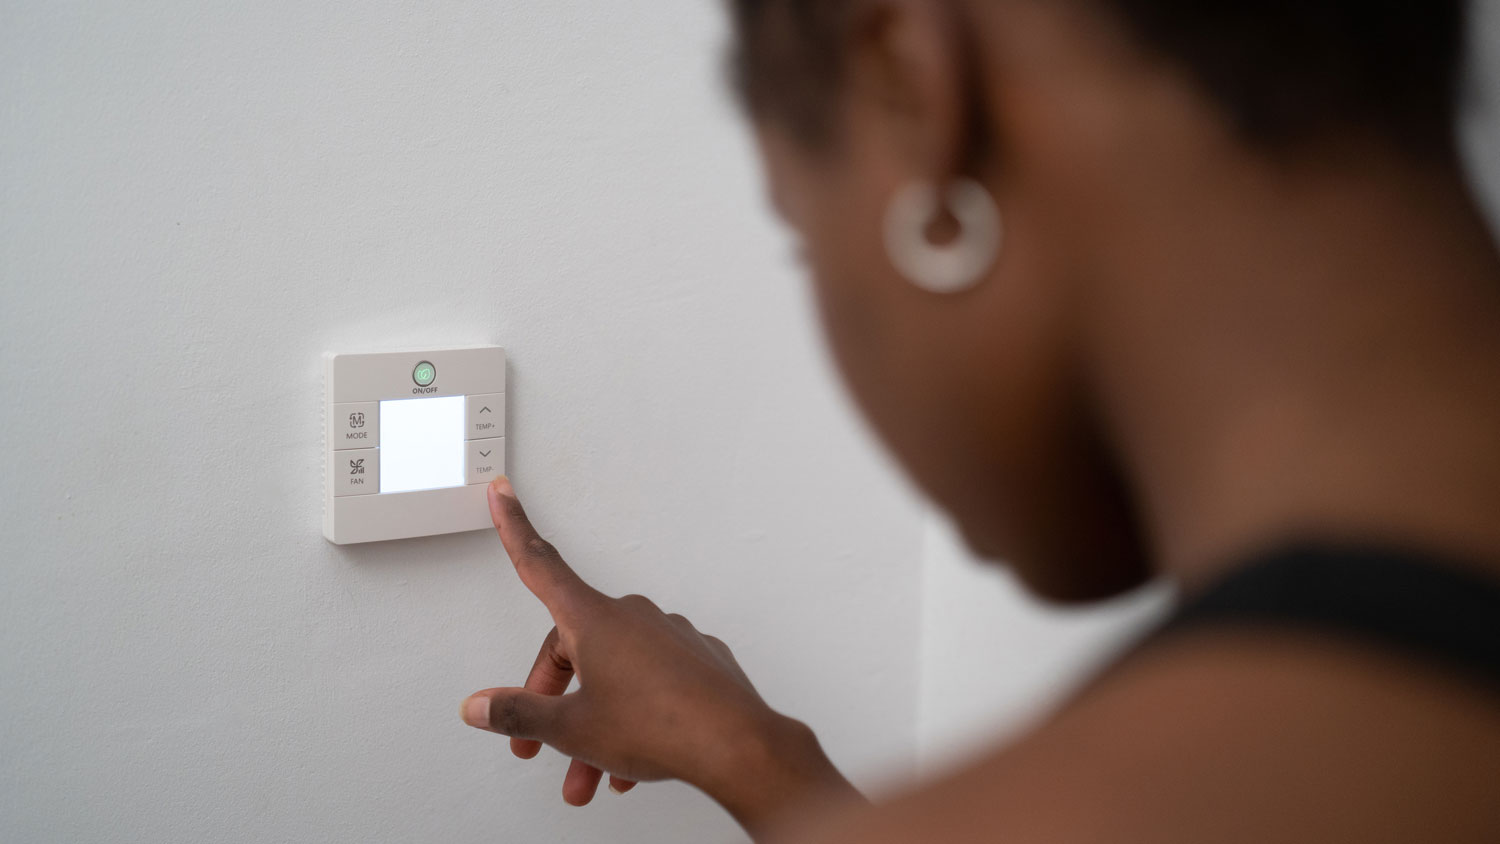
(913, 86)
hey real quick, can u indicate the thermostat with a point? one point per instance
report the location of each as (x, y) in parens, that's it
(412, 440)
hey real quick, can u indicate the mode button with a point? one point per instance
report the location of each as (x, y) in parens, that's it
(354, 425)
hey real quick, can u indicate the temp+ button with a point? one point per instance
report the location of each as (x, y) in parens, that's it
(486, 416)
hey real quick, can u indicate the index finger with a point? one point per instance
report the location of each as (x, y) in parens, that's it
(541, 568)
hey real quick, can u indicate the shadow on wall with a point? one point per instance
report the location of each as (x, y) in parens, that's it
(993, 659)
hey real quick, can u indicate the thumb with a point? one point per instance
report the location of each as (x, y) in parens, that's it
(521, 714)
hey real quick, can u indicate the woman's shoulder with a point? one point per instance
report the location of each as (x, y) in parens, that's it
(1227, 735)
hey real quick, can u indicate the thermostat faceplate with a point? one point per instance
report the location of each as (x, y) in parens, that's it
(412, 440)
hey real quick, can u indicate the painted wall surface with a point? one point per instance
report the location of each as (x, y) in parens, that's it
(197, 201)
(992, 659)
(1482, 124)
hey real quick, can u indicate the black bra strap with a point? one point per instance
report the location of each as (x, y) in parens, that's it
(1409, 602)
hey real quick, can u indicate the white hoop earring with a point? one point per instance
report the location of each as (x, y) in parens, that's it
(952, 267)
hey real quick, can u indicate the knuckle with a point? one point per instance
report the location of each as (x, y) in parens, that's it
(638, 601)
(559, 666)
(551, 658)
(540, 548)
(507, 716)
(513, 508)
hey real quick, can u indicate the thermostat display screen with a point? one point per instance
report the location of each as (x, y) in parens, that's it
(422, 444)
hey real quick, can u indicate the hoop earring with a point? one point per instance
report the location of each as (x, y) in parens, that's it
(953, 267)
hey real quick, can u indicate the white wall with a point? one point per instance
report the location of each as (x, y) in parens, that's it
(1482, 126)
(993, 659)
(196, 201)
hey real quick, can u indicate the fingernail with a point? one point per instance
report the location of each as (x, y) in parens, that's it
(613, 788)
(502, 486)
(476, 712)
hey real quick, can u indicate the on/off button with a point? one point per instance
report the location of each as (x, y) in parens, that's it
(424, 374)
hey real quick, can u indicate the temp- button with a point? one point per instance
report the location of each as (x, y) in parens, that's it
(486, 416)
(486, 460)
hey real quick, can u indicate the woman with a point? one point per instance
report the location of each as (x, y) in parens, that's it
(1133, 289)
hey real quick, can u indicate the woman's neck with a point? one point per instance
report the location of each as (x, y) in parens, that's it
(1318, 356)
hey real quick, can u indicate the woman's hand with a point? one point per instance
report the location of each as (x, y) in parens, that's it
(656, 700)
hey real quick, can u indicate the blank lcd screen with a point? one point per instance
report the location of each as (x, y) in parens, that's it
(421, 444)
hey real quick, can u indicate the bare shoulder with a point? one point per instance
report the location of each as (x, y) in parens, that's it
(1226, 738)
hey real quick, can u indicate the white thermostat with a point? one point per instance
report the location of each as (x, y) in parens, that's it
(412, 440)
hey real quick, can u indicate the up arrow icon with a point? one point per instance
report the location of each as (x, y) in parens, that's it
(484, 410)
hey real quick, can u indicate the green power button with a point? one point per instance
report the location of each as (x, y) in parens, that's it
(424, 374)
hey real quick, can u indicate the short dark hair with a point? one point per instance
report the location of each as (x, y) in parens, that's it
(1283, 71)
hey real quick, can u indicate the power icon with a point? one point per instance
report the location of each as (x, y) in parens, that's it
(424, 374)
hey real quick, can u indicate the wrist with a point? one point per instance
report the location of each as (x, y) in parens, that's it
(777, 766)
